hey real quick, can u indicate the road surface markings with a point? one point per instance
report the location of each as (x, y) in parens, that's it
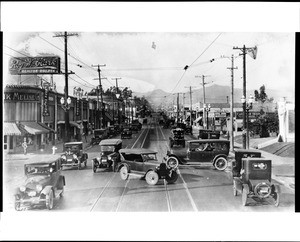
(118, 206)
(107, 184)
(168, 197)
(142, 145)
(138, 138)
(188, 193)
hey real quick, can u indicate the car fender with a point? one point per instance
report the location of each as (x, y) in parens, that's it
(218, 156)
(172, 155)
(276, 188)
(120, 165)
(246, 187)
(46, 190)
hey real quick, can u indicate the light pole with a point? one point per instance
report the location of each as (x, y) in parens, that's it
(248, 106)
(65, 104)
(206, 109)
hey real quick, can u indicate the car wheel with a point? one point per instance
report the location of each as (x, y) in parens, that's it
(173, 178)
(124, 173)
(172, 162)
(62, 192)
(79, 164)
(49, 200)
(85, 162)
(17, 203)
(151, 178)
(276, 197)
(244, 197)
(221, 164)
(94, 167)
(234, 188)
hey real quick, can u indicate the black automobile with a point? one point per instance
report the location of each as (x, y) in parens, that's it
(111, 131)
(44, 182)
(109, 154)
(126, 133)
(208, 134)
(73, 155)
(177, 137)
(252, 178)
(210, 151)
(143, 163)
(99, 134)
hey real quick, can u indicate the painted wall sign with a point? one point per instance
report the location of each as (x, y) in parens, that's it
(34, 65)
(18, 96)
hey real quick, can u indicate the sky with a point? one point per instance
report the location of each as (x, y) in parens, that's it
(155, 60)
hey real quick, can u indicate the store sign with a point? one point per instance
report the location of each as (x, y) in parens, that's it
(46, 99)
(18, 96)
(34, 65)
(77, 107)
(220, 115)
(252, 115)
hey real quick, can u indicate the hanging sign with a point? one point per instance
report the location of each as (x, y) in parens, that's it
(46, 98)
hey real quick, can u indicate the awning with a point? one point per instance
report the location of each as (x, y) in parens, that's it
(46, 127)
(198, 119)
(11, 129)
(34, 128)
(72, 123)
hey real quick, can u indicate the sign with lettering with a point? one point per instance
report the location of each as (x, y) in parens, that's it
(45, 106)
(34, 65)
(18, 96)
(77, 107)
(220, 114)
(252, 115)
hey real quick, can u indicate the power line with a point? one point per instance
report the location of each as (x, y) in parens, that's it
(17, 51)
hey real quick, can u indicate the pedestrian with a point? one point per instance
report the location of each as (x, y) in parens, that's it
(24, 145)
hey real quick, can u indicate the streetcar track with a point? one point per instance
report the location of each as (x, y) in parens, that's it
(168, 197)
(120, 200)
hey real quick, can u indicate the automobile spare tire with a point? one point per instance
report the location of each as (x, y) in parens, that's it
(152, 178)
(221, 163)
(49, 200)
(124, 173)
(173, 178)
(172, 162)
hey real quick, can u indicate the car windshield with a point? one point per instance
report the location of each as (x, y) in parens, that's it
(43, 169)
(73, 148)
(148, 157)
(107, 148)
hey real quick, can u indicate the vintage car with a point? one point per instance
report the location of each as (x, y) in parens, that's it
(252, 177)
(208, 134)
(44, 182)
(117, 128)
(143, 163)
(99, 134)
(212, 151)
(126, 132)
(109, 154)
(73, 155)
(177, 137)
(111, 131)
(136, 125)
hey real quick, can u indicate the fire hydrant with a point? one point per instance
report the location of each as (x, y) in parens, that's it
(53, 150)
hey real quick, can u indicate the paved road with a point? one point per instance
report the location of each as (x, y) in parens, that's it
(199, 187)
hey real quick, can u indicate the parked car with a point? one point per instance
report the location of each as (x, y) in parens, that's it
(99, 134)
(143, 163)
(212, 151)
(177, 137)
(73, 155)
(44, 182)
(252, 177)
(208, 134)
(126, 133)
(117, 128)
(111, 131)
(109, 154)
(135, 123)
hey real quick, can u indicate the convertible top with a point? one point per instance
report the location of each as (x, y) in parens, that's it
(137, 151)
(110, 142)
(43, 159)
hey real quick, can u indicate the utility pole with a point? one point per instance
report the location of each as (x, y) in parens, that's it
(183, 110)
(244, 52)
(190, 87)
(203, 85)
(117, 89)
(231, 103)
(67, 121)
(177, 107)
(100, 86)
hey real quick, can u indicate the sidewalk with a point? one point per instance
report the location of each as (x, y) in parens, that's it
(283, 168)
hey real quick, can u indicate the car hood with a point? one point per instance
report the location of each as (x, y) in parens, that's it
(31, 182)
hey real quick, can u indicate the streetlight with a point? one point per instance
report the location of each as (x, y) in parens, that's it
(65, 104)
(206, 109)
(248, 107)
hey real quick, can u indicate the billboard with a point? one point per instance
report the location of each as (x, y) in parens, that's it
(34, 65)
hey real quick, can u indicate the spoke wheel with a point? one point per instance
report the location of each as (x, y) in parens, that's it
(221, 164)
(244, 197)
(124, 173)
(151, 178)
(49, 200)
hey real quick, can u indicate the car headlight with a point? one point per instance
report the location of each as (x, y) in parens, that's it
(64, 157)
(98, 159)
(39, 188)
(102, 153)
(22, 188)
(75, 156)
(262, 190)
(109, 158)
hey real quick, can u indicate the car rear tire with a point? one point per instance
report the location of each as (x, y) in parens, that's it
(221, 163)
(124, 173)
(244, 197)
(151, 178)
(94, 167)
(173, 178)
(276, 197)
(49, 200)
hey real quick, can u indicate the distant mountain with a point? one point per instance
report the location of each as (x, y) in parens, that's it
(213, 94)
